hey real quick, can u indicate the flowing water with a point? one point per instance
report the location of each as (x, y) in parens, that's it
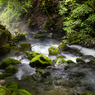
(55, 81)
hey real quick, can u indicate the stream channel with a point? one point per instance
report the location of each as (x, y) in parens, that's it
(55, 80)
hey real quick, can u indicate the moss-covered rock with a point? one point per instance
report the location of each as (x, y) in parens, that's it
(30, 22)
(61, 56)
(63, 47)
(2, 76)
(5, 48)
(79, 60)
(40, 61)
(12, 87)
(21, 92)
(32, 55)
(24, 46)
(5, 36)
(86, 93)
(40, 70)
(67, 67)
(4, 91)
(11, 69)
(60, 62)
(18, 35)
(37, 36)
(69, 61)
(9, 61)
(53, 50)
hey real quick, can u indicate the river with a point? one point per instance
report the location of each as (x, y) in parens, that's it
(55, 81)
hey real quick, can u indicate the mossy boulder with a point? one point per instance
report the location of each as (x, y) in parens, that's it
(12, 87)
(63, 47)
(5, 36)
(11, 69)
(67, 67)
(79, 60)
(8, 62)
(21, 92)
(40, 70)
(5, 48)
(32, 55)
(24, 46)
(18, 35)
(4, 91)
(40, 61)
(37, 36)
(61, 56)
(53, 50)
(86, 93)
(59, 62)
(69, 61)
(2, 76)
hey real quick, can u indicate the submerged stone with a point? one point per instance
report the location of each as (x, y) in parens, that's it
(53, 50)
(40, 61)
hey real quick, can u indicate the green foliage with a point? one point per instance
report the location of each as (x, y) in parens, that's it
(13, 9)
(79, 21)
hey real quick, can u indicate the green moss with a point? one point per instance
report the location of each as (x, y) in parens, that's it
(2, 76)
(6, 48)
(62, 46)
(21, 92)
(40, 70)
(61, 56)
(69, 61)
(61, 60)
(53, 50)
(11, 69)
(30, 23)
(40, 61)
(24, 46)
(86, 93)
(32, 55)
(47, 24)
(18, 35)
(4, 91)
(5, 36)
(79, 60)
(12, 87)
(9, 61)
(67, 67)
(37, 36)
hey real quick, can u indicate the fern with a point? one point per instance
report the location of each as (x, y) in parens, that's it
(82, 10)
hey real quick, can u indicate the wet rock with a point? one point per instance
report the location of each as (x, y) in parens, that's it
(53, 50)
(2, 83)
(63, 47)
(40, 61)
(87, 58)
(24, 46)
(18, 35)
